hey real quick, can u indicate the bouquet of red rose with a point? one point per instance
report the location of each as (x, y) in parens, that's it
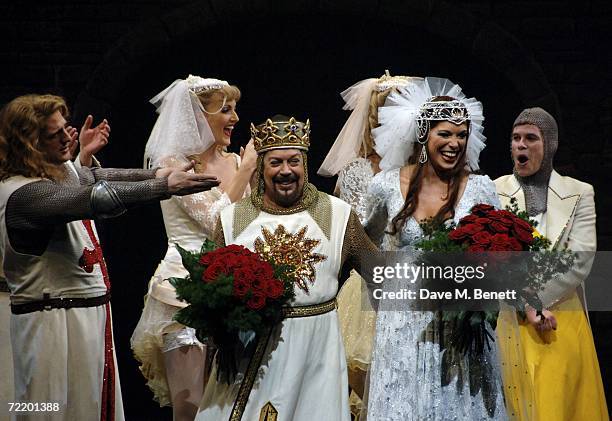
(494, 238)
(231, 290)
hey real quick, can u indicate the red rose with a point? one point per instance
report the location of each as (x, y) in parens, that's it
(244, 274)
(458, 234)
(518, 222)
(501, 216)
(235, 249)
(483, 238)
(476, 248)
(264, 270)
(500, 242)
(523, 231)
(274, 288)
(499, 226)
(213, 271)
(472, 229)
(259, 284)
(257, 301)
(481, 209)
(483, 221)
(234, 262)
(206, 259)
(241, 287)
(515, 245)
(468, 219)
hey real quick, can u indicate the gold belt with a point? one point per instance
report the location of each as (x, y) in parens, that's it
(310, 310)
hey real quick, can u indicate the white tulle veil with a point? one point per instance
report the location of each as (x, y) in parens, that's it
(350, 139)
(181, 129)
(397, 134)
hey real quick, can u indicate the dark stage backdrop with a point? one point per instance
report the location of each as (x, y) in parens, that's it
(109, 58)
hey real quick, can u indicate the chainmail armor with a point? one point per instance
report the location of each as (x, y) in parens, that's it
(535, 187)
(121, 174)
(30, 227)
(356, 242)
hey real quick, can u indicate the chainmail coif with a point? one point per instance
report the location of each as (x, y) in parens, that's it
(535, 186)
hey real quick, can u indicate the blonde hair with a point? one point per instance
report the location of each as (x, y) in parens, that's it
(377, 99)
(22, 122)
(230, 92)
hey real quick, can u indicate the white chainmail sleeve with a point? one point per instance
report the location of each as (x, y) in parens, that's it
(353, 182)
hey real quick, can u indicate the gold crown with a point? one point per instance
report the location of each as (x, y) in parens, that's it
(281, 132)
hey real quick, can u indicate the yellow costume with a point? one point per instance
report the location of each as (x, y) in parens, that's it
(562, 364)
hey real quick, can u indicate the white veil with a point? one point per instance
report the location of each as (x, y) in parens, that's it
(181, 129)
(349, 140)
(397, 133)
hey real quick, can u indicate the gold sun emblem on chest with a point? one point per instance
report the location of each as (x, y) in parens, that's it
(291, 249)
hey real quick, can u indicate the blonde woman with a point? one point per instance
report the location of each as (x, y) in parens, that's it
(195, 123)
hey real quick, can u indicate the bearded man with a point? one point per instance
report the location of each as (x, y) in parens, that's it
(558, 344)
(299, 372)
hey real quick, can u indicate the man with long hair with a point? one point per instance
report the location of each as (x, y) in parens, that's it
(61, 331)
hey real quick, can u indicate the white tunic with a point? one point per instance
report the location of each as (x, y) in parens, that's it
(59, 354)
(303, 374)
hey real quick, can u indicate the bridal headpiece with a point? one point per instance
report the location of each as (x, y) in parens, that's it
(405, 119)
(351, 138)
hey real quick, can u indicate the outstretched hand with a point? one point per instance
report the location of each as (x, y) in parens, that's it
(73, 135)
(93, 139)
(181, 182)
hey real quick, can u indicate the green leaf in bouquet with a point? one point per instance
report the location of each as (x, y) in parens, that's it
(242, 319)
(191, 262)
(208, 246)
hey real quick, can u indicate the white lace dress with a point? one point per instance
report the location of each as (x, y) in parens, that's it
(189, 221)
(410, 378)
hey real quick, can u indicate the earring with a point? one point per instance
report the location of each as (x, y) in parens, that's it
(423, 156)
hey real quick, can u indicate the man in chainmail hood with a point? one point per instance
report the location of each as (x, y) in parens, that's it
(50, 256)
(534, 144)
(558, 344)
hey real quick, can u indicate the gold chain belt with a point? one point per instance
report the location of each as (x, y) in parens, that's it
(310, 310)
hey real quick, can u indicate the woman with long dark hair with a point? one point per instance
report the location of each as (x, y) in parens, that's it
(430, 139)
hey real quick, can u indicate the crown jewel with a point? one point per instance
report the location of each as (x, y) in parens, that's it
(199, 84)
(281, 132)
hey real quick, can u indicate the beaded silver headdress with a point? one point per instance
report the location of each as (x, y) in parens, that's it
(405, 120)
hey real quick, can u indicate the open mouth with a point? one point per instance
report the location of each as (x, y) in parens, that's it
(522, 159)
(227, 131)
(285, 184)
(450, 155)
